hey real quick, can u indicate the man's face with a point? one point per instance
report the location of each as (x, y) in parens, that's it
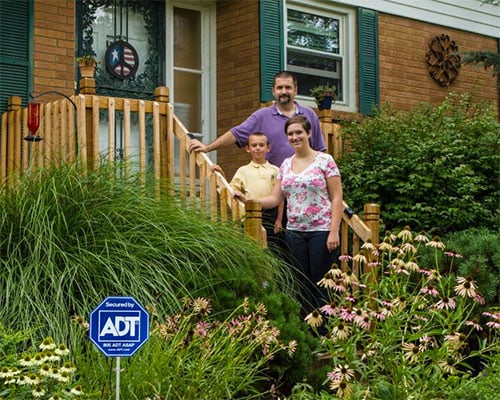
(284, 91)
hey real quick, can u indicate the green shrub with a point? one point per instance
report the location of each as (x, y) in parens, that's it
(435, 166)
(482, 387)
(69, 239)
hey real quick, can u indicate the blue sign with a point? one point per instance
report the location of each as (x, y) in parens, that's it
(119, 326)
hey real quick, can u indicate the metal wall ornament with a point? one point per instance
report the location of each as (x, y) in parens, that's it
(443, 59)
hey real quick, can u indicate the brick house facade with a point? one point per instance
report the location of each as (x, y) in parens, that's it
(403, 79)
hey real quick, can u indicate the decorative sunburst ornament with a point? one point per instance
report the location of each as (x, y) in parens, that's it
(443, 59)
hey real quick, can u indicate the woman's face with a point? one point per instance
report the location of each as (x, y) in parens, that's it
(298, 137)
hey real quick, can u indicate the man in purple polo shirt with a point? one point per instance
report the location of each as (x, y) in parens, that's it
(271, 121)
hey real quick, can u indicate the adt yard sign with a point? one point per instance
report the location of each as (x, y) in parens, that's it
(119, 326)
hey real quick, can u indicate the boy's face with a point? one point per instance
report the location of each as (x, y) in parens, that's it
(258, 148)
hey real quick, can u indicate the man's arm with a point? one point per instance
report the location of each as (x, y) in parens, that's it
(225, 140)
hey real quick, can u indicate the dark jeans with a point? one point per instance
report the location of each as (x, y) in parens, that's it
(276, 241)
(311, 260)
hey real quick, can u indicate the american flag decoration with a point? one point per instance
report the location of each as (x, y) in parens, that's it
(122, 60)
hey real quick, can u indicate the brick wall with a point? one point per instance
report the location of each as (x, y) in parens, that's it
(404, 77)
(238, 73)
(54, 46)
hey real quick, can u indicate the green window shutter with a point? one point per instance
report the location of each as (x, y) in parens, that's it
(16, 32)
(368, 60)
(271, 44)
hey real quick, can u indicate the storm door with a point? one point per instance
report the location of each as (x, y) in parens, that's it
(127, 37)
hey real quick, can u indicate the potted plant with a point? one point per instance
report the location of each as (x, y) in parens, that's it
(87, 64)
(324, 95)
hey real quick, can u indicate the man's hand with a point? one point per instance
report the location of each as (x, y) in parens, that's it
(197, 146)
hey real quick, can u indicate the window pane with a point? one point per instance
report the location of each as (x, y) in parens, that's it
(312, 31)
(314, 52)
(187, 38)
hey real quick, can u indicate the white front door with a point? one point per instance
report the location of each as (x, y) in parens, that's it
(191, 64)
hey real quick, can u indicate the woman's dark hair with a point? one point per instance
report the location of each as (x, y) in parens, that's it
(298, 119)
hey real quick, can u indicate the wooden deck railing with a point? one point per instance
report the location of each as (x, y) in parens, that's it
(83, 129)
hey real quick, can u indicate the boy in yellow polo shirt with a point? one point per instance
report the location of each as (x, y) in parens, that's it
(255, 180)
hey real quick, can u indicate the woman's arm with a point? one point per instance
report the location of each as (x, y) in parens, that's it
(334, 185)
(270, 201)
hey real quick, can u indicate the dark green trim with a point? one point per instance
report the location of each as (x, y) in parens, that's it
(271, 28)
(368, 53)
(16, 50)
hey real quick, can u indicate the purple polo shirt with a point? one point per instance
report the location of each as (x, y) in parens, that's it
(271, 121)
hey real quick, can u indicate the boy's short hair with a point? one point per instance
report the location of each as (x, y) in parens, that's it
(259, 134)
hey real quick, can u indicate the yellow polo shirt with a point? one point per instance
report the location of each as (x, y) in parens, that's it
(255, 180)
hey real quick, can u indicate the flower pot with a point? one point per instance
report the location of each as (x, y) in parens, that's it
(326, 103)
(87, 70)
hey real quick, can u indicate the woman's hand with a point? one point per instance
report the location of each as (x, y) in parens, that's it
(333, 241)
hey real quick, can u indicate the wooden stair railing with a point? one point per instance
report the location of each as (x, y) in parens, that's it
(74, 133)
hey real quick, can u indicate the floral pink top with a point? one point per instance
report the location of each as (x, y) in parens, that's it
(309, 207)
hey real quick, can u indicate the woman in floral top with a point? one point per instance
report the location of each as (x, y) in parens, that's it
(310, 182)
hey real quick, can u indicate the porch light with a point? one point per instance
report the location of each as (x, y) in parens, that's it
(33, 121)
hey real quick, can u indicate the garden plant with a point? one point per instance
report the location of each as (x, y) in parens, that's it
(404, 330)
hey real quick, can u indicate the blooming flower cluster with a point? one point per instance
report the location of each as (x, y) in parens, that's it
(244, 326)
(45, 374)
(393, 323)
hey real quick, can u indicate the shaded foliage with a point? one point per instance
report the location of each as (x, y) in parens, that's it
(435, 166)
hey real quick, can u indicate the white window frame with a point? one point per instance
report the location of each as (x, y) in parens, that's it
(207, 9)
(347, 50)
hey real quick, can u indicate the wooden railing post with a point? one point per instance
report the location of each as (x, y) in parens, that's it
(87, 86)
(372, 220)
(331, 133)
(253, 220)
(162, 96)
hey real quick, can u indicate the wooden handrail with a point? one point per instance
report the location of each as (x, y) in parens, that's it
(68, 138)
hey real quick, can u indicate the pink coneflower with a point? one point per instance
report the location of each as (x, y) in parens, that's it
(448, 366)
(446, 303)
(455, 340)
(493, 324)
(340, 331)
(431, 290)
(360, 258)
(479, 298)
(399, 269)
(314, 319)
(436, 243)
(369, 246)
(349, 277)
(362, 318)
(408, 247)
(426, 342)
(346, 314)
(422, 237)
(405, 234)
(465, 287)
(328, 280)
(350, 298)
(201, 306)
(411, 352)
(341, 372)
(345, 257)
(201, 328)
(385, 246)
(412, 265)
(453, 254)
(474, 324)
(330, 309)
(378, 314)
(342, 387)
